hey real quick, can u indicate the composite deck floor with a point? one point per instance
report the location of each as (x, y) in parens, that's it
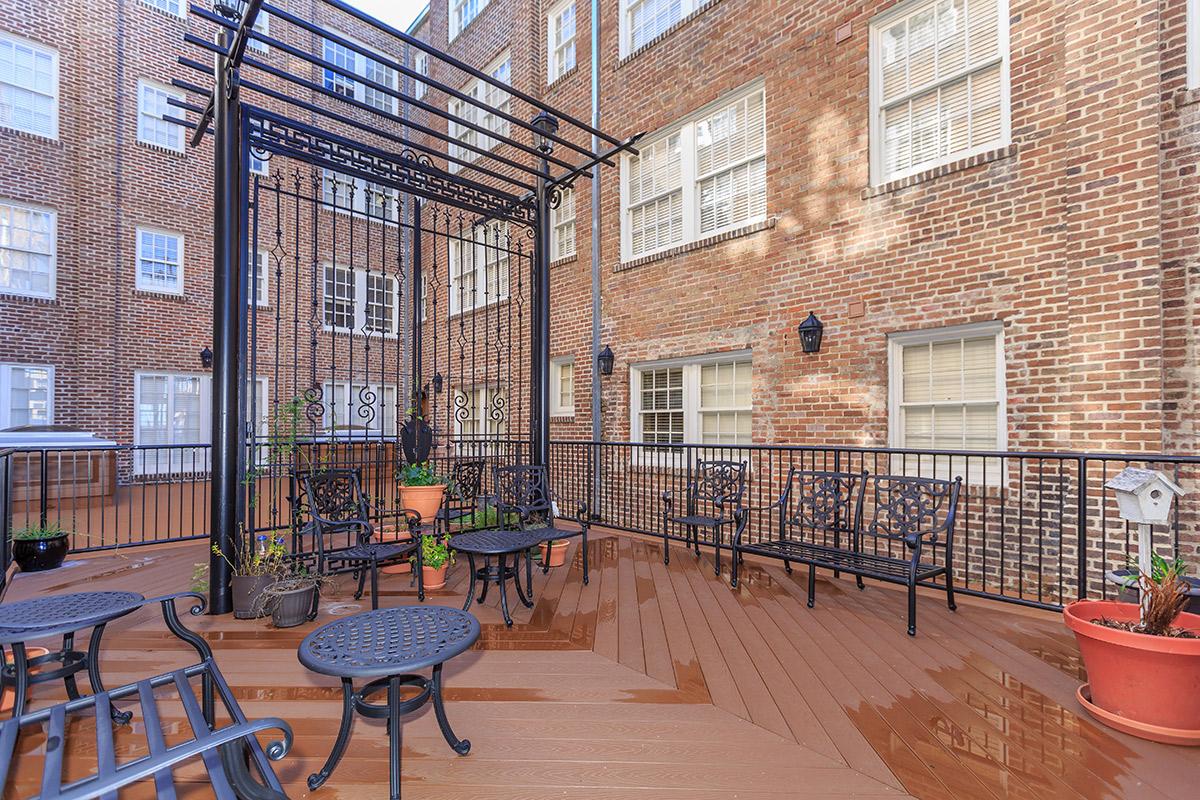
(662, 682)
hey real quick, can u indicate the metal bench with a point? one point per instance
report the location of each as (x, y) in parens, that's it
(236, 764)
(820, 523)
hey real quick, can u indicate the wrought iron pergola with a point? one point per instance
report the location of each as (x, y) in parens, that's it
(315, 107)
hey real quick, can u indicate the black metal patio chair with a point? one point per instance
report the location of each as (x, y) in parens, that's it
(521, 496)
(463, 498)
(714, 500)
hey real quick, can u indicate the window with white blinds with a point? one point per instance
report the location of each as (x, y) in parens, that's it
(346, 194)
(947, 389)
(28, 250)
(479, 268)
(26, 395)
(643, 21)
(462, 13)
(421, 67)
(173, 410)
(705, 401)
(495, 100)
(562, 227)
(153, 106)
(703, 177)
(480, 412)
(28, 87)
(159, 261)
(560, 38)
(939, 84)
(354, 407)
(261, 279)
(356, 63)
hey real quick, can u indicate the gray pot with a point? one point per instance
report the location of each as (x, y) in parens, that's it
(294, 606)
(247, 594)
(1126, 579)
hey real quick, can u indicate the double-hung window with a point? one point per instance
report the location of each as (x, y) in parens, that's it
(172, 7)
(421, 67)
(462, 13)
(153, 105)
(480, 412)
(361, 301)
(479, 268)
(261, 279)
(1193, 44)
(562, 387)
(28, 87)
(562, 226)
(262, 24)
(356, 63)
(560, 38)
(697, 401)
(643, 21)
(26, 395)
(159, 261)
(358, 196)
(494, 102)
(354, 406)
(172, 411)
(27, 250)
(939, 84)
(699, 178)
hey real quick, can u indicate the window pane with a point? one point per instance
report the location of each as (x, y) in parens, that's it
(158, 262)
(29, 396)
(339, 297)
(27, 241)
(28, 91)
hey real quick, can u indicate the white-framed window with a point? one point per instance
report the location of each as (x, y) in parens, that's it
(562, 386)
(562, 226)
(560, 38)
(346, 194)
(705, 400)
(159, 261)
(259, 166)
(479, 268)
(363, 66)
(28, 87)
(1193, 44)
(421, 67)
(495, 102)
(171, 410)
(480, 412)
(28, 250)
(946, 392)
(360, 300)
(698, 178)
(462, 13)
(356, 407)
(262, 24)
(642, 21)
(939, 84)
(172, 7)
(26, 395)
(153, 105)
(261, 278)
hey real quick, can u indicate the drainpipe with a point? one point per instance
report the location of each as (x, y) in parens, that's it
(596, 430)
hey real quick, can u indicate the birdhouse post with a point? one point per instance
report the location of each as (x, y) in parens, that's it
(1144, 496)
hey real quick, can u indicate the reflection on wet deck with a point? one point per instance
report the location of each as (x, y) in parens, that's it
(662, 682)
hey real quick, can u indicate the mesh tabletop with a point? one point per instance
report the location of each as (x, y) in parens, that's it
(63, 613)
(496, 542)
(389, 641)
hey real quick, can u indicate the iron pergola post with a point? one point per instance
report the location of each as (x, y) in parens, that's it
(545, 198)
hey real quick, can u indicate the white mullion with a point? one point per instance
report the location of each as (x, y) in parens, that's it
(687, 170)
(691, 403)
(358, 279)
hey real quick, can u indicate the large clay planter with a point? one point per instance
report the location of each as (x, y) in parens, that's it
(395, 535)
(434, 577)
(425, 500)
(38, 555)
(247, 595)
(557, 553)
(9, 694)
(1147, 686)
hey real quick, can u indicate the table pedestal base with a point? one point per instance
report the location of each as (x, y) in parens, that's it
(20, 676)
(500, 574)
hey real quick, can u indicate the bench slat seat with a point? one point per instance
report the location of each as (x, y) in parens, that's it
(876, 565)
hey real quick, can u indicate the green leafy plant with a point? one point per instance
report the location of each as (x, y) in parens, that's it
(435, 553)
(33, 533)
(266, 557)
(486, 518)
(422, 474)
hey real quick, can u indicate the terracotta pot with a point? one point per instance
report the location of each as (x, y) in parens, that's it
(1147, 686)
(9, 693)
(558, 553)
(425, 500)
(393, 534)
(434, 577)
(247, 595)
(38, 555)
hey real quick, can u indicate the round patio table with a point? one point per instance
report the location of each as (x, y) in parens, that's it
(64, 614)
(498, 544)
(386, 647)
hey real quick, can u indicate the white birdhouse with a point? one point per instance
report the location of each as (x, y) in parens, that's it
(1144, 495)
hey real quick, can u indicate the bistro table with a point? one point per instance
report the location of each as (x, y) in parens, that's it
(386, 647)
(499, 544)
(63, 614)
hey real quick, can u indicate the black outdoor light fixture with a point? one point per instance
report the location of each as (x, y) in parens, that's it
(545, 123)
(206, 358)
(604, 360)
(437, 383)
(810, 334)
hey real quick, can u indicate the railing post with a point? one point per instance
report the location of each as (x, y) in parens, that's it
(6, 505)
(539, 384)
(43, 487)
(1081, 528)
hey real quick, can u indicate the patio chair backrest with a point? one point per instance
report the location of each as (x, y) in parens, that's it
(905, 507)
(720, 483)
(815, 504)
(522, 490)
(468, 480)
(334, 495)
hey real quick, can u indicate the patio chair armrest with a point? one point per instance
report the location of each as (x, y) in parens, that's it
(740, 518)
(668, 501)
(584, 512)
(171, 618)
(917, 538)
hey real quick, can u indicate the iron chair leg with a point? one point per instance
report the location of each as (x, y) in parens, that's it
(585, 553)
(93, 671)
(912, 607)
(717, 551)
(858, 581)
(666, 548)
(362, 579)
(374, 584)
(950, 590)
(812, 584)
(733, 569)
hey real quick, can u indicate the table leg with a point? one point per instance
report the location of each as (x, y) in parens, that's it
(394, 735)
(460, 746)
(487, 565)
(471, 588)
(68, 647)
(528, 603)
(93, 671)
(317, 779)
(529, 574)
(503, 591)
(21, 676)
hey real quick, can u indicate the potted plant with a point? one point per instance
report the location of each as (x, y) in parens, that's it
(40, 547)
(1126, 581)
(256, 568)
(421, 489)
(554, 552)
(436, 558)
(293, 599)
(1143, 661)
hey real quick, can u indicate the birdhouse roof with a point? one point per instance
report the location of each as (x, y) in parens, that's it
(1134, 479)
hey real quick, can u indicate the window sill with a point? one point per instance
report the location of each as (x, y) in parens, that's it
(687, 247)
(625, 59)
(564, 260)
(562, 416)
(1187, 97)
(32, 135)
(554, 83)
(933, 173)
(178, 297)
(158, 148)
(39, 299)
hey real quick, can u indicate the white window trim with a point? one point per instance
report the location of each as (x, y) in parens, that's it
(460, 303)
(876, 108)
(690, 201)
(359, 274)
(137, 261)
(898, 341)
(1193, 44)
(654, 455)
(163, 464)
(6, 391)
(347, 428)
(55, 91)
(360, 72)
(263, 269)
(53, 291)
(421, 67)
(180, 139)
(452, 22)
(180, 14)
(552, 71)
(557, 222)
(262, 24)
(478, 413)
(687, 9)
(556, 365)
(457, 108)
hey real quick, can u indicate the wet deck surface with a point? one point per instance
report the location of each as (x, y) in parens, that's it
(662, 682)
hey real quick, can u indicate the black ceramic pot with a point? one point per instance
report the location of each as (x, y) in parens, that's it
(1127, 581)
(37, 555)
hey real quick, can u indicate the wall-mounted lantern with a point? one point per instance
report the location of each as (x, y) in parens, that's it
(437, 383)
(604, 360)
(206, 357)
(811, 331)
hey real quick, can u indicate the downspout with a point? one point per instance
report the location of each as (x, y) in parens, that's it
(595, 372)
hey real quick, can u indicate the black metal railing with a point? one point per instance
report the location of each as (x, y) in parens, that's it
(6, 458)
